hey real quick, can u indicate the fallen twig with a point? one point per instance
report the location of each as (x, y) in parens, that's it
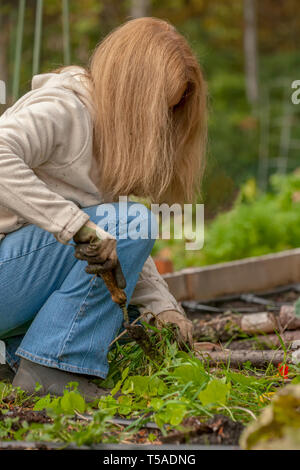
(288, 319)
(237, 358)
(246, 410)
(205, 346)
(267, 341)
(228, 326)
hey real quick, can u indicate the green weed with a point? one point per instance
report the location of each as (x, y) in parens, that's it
(142, 390)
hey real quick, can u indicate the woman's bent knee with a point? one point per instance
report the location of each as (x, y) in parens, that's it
(125, 220)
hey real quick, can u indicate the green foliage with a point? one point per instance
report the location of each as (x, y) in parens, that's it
(192, 371)
(166, 393)
(216, 392)
(257, 224)
(268, 224)
(173, 413)
(63, 410)
(66, 430)
(145, 387)
(184, 386)
(70, 403)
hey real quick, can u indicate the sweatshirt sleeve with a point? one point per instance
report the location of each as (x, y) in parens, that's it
(152, 293)
(28, 138)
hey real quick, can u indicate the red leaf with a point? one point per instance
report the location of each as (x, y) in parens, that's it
(283, 370)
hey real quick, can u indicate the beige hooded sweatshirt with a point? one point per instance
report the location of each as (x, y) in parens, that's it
(46, 170)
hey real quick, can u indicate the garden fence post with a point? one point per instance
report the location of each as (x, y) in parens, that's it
(18, 53)
(37, 37)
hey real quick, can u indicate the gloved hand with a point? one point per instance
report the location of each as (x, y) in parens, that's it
(100, 253)
(184, 325)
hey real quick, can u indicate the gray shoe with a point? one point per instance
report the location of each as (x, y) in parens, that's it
(53, 381)
(6, 373)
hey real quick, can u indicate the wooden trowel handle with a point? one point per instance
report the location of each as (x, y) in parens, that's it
(118, 295)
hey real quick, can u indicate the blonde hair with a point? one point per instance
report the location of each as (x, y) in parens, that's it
(143, 146)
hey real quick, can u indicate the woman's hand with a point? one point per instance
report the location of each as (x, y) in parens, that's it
(99, 249)
(184, 325)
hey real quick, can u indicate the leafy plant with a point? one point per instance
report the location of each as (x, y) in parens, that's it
(70, 403)
(167, 393)
(257, 224)
(216, 392)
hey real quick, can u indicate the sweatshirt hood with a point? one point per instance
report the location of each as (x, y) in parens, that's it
(72, 78)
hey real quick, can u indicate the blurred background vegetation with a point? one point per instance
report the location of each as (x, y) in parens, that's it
(249, 51)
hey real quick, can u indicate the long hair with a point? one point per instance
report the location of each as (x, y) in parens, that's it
(144, 146)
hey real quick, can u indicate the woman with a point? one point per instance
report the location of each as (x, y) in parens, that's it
(133, 123)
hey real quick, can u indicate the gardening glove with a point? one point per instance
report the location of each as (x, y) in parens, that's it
(185, 326)
(99, 249)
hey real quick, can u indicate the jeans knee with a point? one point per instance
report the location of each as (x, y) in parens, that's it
(142, 223)
(130, 220)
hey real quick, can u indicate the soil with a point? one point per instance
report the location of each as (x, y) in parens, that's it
(22, 415)
(219, 430)
(270, 301)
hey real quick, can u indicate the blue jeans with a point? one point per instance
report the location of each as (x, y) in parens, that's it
(68, 317)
